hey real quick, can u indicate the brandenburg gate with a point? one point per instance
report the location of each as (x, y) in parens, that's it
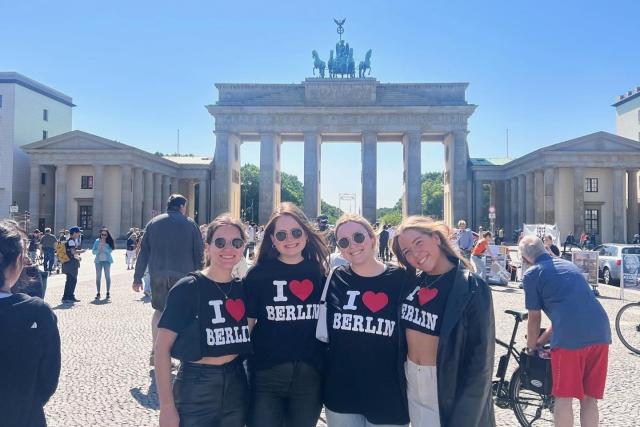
(341, 109)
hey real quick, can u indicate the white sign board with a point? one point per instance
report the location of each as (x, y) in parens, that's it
(587, 261)
(542, 230)
(13, 209)
(496, 264)
(630, 272)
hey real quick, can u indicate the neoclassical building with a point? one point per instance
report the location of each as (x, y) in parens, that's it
(82, 179)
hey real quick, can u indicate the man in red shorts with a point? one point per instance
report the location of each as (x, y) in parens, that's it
(580, 332)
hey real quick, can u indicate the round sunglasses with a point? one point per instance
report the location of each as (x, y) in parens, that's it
(281, 235)
(221, 243)
(357, 237)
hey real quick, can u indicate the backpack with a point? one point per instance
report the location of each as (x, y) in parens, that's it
(61, 252)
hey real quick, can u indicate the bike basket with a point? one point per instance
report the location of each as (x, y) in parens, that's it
(535, 373)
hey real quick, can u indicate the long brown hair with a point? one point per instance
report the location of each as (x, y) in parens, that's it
(429, 227)
(316, 248)
(219, 221)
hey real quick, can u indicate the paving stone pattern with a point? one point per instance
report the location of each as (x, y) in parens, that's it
(106, 379)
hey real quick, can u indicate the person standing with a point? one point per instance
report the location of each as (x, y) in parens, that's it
(283, 291)
(550, 247)
(171, 247)
(464, 238)
(29, 340)
(48, 243)
(210, 388)
(580, 334)
(383, 243)
(478, 253)
(72, 266)
(131, 249)
(34, 242)
(102, 248)
(448, 329)
(363, 382)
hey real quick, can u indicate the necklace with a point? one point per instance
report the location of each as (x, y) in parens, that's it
(226, 296)
(430, 285)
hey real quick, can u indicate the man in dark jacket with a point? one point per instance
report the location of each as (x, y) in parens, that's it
(171, 247)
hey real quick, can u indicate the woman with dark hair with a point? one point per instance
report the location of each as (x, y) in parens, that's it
(448, 329)
(283, 292)
(102, 248)
(29, 340)
(210, 388)
(364, 381)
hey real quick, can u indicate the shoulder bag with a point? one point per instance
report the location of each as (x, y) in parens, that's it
(186, 347)
(322, 334)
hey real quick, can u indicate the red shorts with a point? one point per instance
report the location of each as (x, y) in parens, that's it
(580, 372)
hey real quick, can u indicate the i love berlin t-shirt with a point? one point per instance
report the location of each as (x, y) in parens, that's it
(284, 298)
(362, 371)
(222, 314)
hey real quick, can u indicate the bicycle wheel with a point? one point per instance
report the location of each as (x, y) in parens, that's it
(529, 406)
(628, 326)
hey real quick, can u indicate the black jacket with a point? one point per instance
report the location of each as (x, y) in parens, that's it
(465, 354)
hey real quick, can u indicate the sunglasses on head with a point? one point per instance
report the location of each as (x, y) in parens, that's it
(281, 235)
(221, 243)
(357, 237)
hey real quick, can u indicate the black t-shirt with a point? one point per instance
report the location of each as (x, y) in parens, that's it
(131, 243)
(362, 375)
(284, 299)
(423, 304)
(222, 314)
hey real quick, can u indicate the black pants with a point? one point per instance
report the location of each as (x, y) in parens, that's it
(70, 286)
(288, 395)
(384, 251)
(210, 395)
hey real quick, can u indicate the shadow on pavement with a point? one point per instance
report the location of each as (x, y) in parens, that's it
(63, 306)
(100, 302)
(150, 398)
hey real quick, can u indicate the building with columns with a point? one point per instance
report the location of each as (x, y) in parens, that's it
(584, 184)
(628, 114)
(77, 178)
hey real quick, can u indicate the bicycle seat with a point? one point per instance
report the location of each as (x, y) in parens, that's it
(520, 316)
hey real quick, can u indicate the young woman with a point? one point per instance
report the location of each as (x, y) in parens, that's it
(363, 379)
(479, 251)
(550, 247)
(283, 292)
(29, 355)
(212, 390)
(447, 320)
(102, 248)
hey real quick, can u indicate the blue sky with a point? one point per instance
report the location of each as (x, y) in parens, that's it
(138, 71)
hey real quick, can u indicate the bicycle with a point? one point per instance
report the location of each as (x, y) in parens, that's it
(529, 406)
(628, 326)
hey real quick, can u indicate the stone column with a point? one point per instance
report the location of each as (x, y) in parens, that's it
(477, 203)
(369, 175)
(147, 201)
(549, 195)
(126, 203)
(61, 198)
(98, 198)
(618, 205)
(497, 201)
(539, 196)
(226, 194)
(166, 182)
(632, 203)
(515, 200)
(530, 199)
(138, 191)
(522, 197)
(34, 195)
(412, 192)
(269, 175)
(507, 226)
(174, 185)
(578, 202)
(312, 156)
(457, 143)
(202, 201)
(157, 193)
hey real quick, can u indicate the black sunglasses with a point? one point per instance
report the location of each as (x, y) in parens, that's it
(103, 234)
(281, 235)
(357, 237)
(221, 243)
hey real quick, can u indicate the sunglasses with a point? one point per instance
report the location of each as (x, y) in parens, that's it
(281, 235)
(103, 235)
(221, 243)
(357, 237)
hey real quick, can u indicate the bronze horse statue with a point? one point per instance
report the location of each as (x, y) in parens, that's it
(318, 64)
(365, 65)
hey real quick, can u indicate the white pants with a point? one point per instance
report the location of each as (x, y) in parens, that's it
(422, 394)
(131, 258)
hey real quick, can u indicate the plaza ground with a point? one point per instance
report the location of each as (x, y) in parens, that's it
(106, 379)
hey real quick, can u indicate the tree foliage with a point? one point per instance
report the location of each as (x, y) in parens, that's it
(432, 200)
(291, 189)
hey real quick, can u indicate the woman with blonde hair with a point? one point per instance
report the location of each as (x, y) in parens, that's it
(283, 292)
(447, 321)
(363, 379)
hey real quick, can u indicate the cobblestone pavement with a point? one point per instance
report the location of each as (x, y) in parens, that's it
(106, 379)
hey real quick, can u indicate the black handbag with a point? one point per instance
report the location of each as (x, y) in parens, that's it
(186, 347)
(535, 373)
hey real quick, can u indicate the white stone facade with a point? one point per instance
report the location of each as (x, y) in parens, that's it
(628, 114)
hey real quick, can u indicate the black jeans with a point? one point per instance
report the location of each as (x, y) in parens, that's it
(70, 286)
(288, 395)
(211, 395)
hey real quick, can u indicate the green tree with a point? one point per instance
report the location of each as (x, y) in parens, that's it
(393, 217)
(249, 192)
(433, 195)
(291, 189)
(332, 212)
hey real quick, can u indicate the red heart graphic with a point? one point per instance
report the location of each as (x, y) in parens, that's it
(235, 307)
(301, 289)
(426, 294)
(375, 301)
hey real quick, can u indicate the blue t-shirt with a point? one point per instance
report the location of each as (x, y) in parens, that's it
(558, 288)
